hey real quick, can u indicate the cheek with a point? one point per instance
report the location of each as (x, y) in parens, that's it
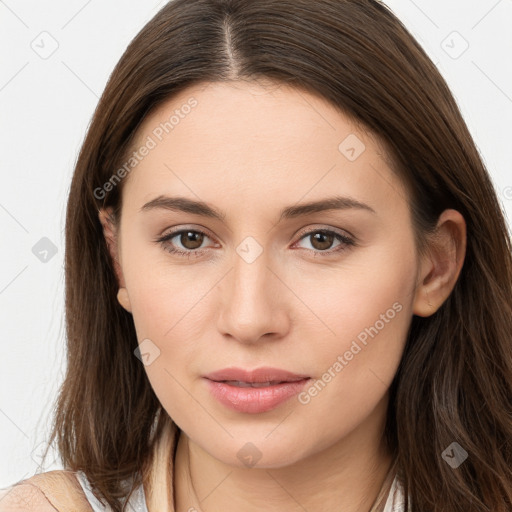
(170, 304)
(161, 293)
(168, 312)
(368, 309)
(367, 297)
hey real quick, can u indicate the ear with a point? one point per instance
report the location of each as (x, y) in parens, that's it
(441, 266)
(110, 227)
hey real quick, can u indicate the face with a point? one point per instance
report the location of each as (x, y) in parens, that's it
(325, 293)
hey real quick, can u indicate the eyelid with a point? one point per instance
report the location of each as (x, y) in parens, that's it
(179, 229)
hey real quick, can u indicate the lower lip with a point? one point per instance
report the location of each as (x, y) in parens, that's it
(254, 400)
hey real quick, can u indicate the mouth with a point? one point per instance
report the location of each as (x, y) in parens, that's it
(254, 391)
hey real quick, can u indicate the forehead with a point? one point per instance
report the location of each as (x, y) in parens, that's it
(240, 138)
(274, 112)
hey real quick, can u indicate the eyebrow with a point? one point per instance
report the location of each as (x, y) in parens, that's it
(183, 204)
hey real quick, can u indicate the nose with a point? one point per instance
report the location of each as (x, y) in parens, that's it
(253, 302)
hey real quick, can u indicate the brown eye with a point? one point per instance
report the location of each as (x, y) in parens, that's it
(185, 242)
(191, 239)
(322, 241)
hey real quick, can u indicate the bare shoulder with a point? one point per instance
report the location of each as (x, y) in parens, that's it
(52, 491)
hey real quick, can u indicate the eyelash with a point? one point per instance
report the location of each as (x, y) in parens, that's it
(345, 242)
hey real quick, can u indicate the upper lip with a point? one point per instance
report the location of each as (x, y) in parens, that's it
(264, 374)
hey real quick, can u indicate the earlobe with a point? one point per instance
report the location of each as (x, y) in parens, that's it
(124, 299)
(442, 264)
(423, 306)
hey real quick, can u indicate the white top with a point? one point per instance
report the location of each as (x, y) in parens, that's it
(396, 500)
(137, 501)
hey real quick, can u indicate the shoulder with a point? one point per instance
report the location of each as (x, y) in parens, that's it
(52, 491)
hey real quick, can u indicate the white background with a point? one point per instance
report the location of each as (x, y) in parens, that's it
(46, 106)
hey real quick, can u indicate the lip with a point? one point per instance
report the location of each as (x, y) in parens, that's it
(283, 385)
(264, 374)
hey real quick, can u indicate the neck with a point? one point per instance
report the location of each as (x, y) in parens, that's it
(348, 476)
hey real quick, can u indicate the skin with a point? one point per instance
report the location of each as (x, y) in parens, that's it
(250, 150)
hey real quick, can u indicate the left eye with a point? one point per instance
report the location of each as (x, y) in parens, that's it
(322, 240)
(191, 241)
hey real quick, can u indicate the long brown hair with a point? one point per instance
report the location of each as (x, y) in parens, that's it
(454, 383)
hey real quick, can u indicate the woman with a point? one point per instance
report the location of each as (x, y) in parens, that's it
(288, 277)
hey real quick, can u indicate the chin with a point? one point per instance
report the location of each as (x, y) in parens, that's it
(255, 448)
